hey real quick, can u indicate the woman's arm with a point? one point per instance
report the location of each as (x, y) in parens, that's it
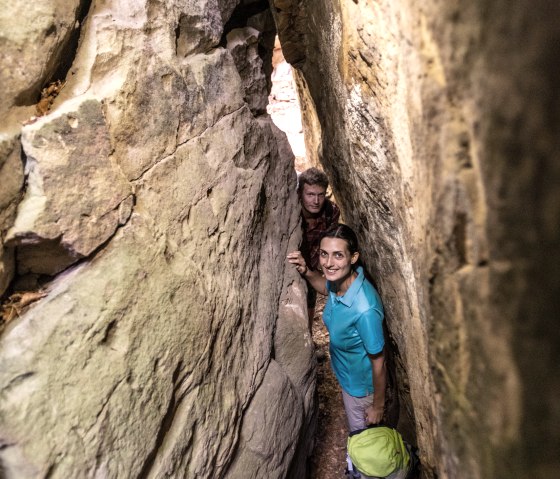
(314, 278)
(374, 413)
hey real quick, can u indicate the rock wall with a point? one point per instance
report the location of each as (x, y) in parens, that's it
(148, 198)
(439, 127)
(151, 200)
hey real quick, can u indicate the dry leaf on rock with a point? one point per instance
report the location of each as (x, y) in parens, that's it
(17, 301)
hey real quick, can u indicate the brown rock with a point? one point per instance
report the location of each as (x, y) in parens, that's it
(152, 357)
(439, 130)
(34, 42)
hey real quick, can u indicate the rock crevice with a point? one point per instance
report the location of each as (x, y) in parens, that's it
(158, 200)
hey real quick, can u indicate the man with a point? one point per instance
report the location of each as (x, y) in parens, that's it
(318, 215)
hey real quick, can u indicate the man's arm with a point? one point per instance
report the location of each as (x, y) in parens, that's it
(314, 278)
(374, 413)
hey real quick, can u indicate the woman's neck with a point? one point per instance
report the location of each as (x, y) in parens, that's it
(343, 284)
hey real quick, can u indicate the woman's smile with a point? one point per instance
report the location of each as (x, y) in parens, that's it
(330, 271)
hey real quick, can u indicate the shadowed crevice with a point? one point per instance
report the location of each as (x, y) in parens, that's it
(60, 62)
(240, 16)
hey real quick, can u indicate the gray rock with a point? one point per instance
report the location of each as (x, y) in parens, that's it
(11, 172)
(264, 451)
(34, 42)
(152, 357)
(243, 45)
(74, 191)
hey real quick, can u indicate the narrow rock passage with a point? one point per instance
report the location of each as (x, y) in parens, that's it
(328, 460)
(329, 454)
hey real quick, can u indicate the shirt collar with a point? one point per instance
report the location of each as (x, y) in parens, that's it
(348, 298)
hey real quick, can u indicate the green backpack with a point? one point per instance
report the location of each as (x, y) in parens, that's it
(378, 451)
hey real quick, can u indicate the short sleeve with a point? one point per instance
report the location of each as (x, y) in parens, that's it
(370, 329)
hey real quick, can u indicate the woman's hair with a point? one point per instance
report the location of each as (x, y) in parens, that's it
(345, 233)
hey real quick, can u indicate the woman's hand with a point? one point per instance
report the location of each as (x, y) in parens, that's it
(314, 278)
(374, 414)
(296, 258)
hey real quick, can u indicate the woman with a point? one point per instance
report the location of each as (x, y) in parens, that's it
(353, 316)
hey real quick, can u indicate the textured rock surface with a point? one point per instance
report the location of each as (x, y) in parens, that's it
(439, 128)
(11, 172)
(49, 26)
(75, 197)
(243, 44)
(179, 330)
(178, 335)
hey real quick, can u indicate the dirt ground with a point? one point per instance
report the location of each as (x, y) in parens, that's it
(329, 457)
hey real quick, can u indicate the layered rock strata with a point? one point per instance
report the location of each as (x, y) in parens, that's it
(156, 212)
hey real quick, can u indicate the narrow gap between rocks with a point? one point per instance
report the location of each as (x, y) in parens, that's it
(328, 460)
(329, 455)
(48, 86)
(283, 107)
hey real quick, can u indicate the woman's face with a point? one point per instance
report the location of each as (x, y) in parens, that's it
(335, 259)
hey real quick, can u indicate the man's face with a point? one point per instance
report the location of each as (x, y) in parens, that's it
(312, 199)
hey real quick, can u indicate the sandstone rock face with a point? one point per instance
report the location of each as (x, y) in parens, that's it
(48, 25)
(11, 171)
(243, 44)
(155, 203)
(172, 340)
(439, 128)
(75, 193)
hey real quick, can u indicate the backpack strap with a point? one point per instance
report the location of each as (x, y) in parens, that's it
(371, 426)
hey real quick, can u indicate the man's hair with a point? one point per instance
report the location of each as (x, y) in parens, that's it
(312, 176)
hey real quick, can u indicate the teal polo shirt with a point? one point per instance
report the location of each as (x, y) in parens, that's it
(354, 322)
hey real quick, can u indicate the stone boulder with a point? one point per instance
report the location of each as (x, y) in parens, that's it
(76, 196)
(156, 214)
(51, 28)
